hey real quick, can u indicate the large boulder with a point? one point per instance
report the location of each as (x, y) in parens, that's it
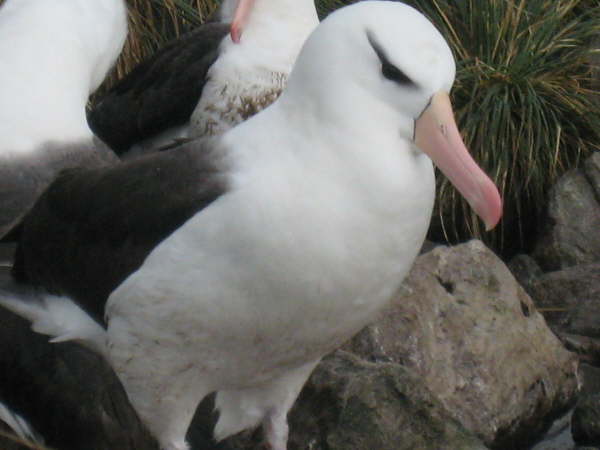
(525, 270)
(476, 341)
(570, 301)
(585, 422)
(570, 236)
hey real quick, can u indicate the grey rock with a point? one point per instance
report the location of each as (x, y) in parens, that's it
(428, 246)
(570, 236)
(591, 379)
(592, 172)
(585, 424)
(570, 299)
(474, 337)
(525, 269)
(558, 437)
(587, 348)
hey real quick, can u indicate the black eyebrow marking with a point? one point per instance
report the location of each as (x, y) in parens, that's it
(389, 70)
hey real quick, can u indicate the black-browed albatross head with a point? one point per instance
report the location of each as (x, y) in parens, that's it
(383, 63)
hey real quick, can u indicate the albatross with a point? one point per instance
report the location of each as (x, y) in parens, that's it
(208, 80)
(234, 264)
(54, 54)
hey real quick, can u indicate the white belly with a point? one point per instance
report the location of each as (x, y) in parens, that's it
(248, 287)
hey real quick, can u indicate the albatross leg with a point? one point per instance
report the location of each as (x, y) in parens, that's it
(268, 403)
(275, 428)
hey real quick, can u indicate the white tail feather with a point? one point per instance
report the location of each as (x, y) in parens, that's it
(58, 317)
(19, 425)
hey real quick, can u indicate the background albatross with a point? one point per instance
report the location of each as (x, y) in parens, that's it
(274, 243)
(207, 81)
(54, 54)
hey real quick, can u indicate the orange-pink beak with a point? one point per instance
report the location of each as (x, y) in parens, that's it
(437, 135)
(240, 17)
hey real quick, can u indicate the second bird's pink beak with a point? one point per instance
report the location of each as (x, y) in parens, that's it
(437, 135)
(240, 17)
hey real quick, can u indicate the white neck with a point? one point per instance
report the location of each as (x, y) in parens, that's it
(57, 52)
(280, 21)
(274, 33)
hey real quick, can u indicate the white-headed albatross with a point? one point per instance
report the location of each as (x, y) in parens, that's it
(53, 55)
(208, 80)
(234, 264)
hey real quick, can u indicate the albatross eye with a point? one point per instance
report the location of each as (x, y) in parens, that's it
(393, 73)
(389, 70)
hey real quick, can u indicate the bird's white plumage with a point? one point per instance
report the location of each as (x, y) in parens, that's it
(53, 54)
(58, 317)
(329, 205)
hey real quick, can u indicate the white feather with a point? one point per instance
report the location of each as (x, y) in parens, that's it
(57, 317)
(19, 425)
(53, 54)
(328, 206)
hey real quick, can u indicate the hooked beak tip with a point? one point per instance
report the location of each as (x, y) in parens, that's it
(490, 225)
(240, 18)
(494, 209)
(236, 35)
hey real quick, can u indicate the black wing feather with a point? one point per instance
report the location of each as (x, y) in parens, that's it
(94, 227)
(24, 178)
(161, 92)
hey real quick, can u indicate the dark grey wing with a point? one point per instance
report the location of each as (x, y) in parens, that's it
(94, 227)
(160, 93)
(24, 178)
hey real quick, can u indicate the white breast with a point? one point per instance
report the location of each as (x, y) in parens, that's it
(297, 256)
